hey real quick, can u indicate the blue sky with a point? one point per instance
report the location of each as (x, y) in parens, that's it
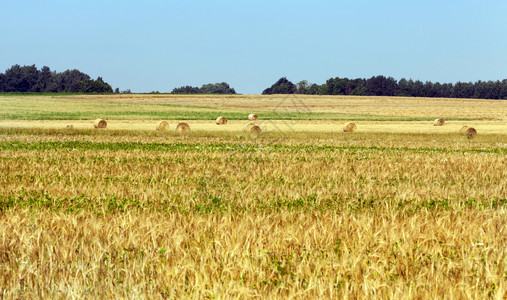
(158, 45)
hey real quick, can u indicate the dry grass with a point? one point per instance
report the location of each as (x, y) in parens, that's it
(439, 122)
(255, 129)
(448, 108)
(309, 255)
(99, 123)
(182, 127)
(249, 127)
(253, 117)
(221, 120)
(163, 125)
(401, 210)
(469, 132)
(349, 127)
(252, 128)
(119, 214)
(419, 127)
(162, 107)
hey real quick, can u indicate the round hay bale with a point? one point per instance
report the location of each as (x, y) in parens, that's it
(463, 129)
(470, 132)
(164, 125)
(255, 129)
(182, 127)
(221, 120)
(349, 127)
(99, 123)
(439, 122)
(248, 127)
(253, 117)
(70, 126)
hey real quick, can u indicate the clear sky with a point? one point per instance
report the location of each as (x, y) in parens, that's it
(158, 45)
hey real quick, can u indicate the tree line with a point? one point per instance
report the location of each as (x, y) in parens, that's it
(388, 86)
(210, 88)
(29, 79)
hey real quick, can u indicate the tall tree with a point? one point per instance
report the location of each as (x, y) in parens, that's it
(313, 89)
(282, 86)
(463, 90)
(503, 90)
(43, 81)
(216, 88)
(2, 82)
(94, 86)
(302, 87)
(71, 80)
(381, 86)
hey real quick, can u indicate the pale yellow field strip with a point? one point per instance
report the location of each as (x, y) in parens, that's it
(483, 127)
(310, 107)
(447, 108)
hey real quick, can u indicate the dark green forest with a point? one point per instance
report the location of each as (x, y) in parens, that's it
(388, 86)
(210, 88)
(29, 79)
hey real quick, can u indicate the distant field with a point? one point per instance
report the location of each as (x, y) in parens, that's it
(277, 113)
(399, 209)
(277, 107)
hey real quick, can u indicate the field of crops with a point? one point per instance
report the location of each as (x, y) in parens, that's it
(301, 210)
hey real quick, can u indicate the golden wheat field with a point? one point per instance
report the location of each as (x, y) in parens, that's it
(398, 208)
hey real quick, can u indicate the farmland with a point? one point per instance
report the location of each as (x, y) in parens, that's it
(397, 209)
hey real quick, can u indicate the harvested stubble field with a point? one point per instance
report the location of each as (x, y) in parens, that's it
(238, 107)
(303, 213)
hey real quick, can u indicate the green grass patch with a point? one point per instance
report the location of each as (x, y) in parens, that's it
(187, 113)
(215, 204)
(224, 147)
